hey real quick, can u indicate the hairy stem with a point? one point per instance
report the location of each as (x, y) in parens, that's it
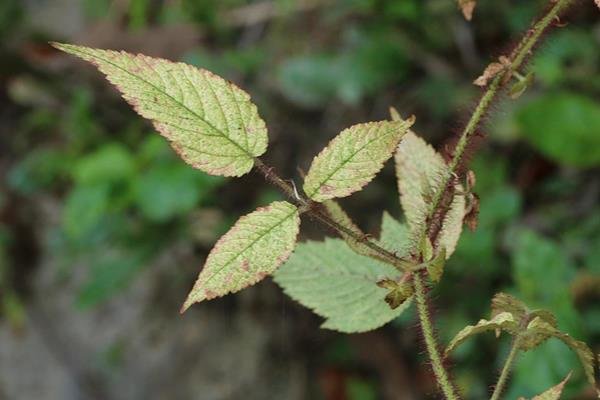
(441, 375)
(506, 370)
(315, 211)
(517, 58)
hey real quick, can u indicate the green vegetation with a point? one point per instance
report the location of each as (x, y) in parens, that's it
(528, 192)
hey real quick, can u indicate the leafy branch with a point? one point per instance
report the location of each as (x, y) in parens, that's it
(358, 283)
(315, 210)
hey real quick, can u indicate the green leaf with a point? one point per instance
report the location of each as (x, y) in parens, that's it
(554, 392)
(352, 159)
(539, 330)
(501, 321)
(252, 249)
(518, 88)
(38, 169)
(563, 127)
(210, 122)
(111, 271)
(420, 169)
(339, 285)
(110, 163)
(541, 268)
(394, 234)
(84, 208)
(426, 249)
(168, 189)
(337, 213)
(435, 267)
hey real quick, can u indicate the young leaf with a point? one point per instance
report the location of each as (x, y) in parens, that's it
(500, 321)
(210, 122)
(502, 303)
(252, 249)
(339, 285)
(435, 267)
(352, 159)
(426, 249)
(554, 392)
(539, 330)
(517, 89)
(419, 169)
(398, 292)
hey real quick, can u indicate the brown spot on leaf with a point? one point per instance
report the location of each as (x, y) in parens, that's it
(246, 265)
(326, 189)
(261, 275)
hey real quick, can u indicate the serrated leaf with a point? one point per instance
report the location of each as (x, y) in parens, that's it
(534, 335)
(339, 285)
(503, 302)
(419, 169)
(252, 249)
(352, 159)
(209, 121)
(545, 316)
(539, 330)
(501, 321)
(554, 392)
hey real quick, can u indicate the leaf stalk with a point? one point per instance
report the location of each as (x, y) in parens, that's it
(510, 359)
(312, 208)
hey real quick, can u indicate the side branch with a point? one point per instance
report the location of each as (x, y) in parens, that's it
(506, 370)
(315, 210)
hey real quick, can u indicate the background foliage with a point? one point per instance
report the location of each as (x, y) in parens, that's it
(103, 229)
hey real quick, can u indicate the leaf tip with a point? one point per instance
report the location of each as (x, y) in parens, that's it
(396, 117)
(188, 303)
(184, 307)
(66, 47)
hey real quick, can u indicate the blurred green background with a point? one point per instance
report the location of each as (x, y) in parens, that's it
(103, 230)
